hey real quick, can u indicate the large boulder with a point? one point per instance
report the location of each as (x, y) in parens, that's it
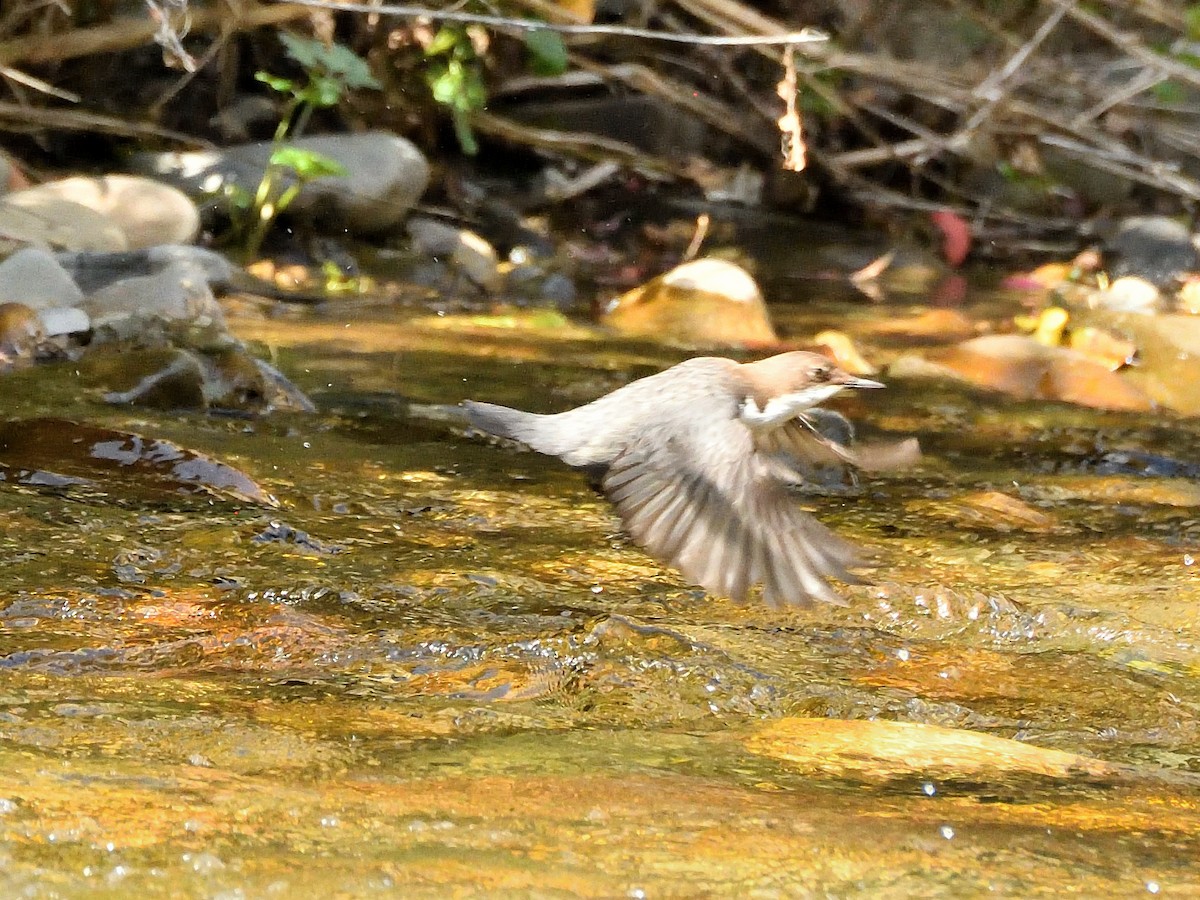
(386, 175)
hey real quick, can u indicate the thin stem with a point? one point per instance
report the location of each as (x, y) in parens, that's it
(804, 36)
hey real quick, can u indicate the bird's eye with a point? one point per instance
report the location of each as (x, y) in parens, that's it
(820, 374)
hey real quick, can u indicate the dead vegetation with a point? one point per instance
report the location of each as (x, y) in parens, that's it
(1027, 119)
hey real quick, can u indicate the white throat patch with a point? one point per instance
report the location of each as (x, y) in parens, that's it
(788, 406)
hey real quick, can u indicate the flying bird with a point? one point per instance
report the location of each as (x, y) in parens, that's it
(700, 461)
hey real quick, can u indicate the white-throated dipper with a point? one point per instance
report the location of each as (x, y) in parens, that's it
(699, 460)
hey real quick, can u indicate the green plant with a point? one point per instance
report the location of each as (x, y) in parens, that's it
(455, 79)
(454, 73)
(335, 281)
(330, 71)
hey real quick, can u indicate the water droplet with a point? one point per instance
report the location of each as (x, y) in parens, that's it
(947, 832)
(929, 789)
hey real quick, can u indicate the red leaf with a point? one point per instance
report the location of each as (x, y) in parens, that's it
(956, 236)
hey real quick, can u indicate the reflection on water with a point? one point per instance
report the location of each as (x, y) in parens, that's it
(437, 668)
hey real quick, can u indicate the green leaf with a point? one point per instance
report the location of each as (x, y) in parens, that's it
(305, 51)
(445, 40)
(462, 131)
(336, 61)
(324, 91)
(547, 52)
(1191, 21)
(236, 196)
(307, 164)
(350, 68)
(276, 83)
(445, 82)
(474, 94)
(1169, 93)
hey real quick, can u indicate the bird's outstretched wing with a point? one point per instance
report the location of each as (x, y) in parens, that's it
(710, 503)
(800, 440)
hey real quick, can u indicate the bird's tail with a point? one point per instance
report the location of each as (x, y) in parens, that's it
(504, 422)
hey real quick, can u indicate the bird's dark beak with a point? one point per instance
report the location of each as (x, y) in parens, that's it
(852, 381)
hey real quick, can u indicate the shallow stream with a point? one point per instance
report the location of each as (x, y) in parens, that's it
(437, 668)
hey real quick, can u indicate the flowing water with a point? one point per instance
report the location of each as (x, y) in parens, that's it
(438, 669)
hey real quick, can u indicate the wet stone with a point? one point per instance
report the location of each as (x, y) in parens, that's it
(146, 212)
(34, 277)
(1154, 248)
(43, 220)
(93, 271)
(122, 463)
(174, 293)
(21, 330)
(386, 175)
(280, 533)
(703, 303)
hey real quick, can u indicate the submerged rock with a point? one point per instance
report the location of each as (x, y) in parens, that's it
(58, 453)
(156, 335)
(1168, 353)
(227, 379)
(883, 751)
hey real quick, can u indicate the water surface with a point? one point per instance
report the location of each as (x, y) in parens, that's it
(438, 668)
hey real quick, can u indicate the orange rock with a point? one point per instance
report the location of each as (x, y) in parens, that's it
(840, 346)
(876, 749)
(1001, 512)
(1079, 380)
(703, 303)
(1168, 368)
(1110, 350)
(1022, 367)
(1189, 295)
(944, 324)
(1051, 274)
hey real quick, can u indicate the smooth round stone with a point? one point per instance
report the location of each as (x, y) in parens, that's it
(146, 211)
(32, 217)
(703, 303)
(385, 176)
